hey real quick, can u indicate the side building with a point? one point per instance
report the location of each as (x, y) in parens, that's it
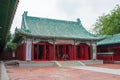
(109, 49)
(51, 39)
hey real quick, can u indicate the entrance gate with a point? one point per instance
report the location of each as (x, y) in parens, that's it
(43, 51)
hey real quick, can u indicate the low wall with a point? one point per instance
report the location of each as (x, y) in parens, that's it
(107, 58)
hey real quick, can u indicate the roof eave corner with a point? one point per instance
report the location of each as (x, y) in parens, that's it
(25, 20)
(25, 13)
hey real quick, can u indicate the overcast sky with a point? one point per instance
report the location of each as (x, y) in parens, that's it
(87, 10)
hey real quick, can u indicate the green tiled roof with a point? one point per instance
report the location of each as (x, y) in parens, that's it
(44, 27)
(110, 40)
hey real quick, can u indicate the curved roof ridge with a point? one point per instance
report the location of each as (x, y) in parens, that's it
(52, 19)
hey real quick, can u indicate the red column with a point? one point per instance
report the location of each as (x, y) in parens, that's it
(87, 52)
(57, 52)
(48, 52)
(52, 52)
(91, 51)
(70, 51)
(84, 52)
(37, 51)
(81, 52)
(64, 50)
(56, 47)
(24, 51)
(49, 57)
(74, 52)
(112, 58)
(44, 52)
(32, 57)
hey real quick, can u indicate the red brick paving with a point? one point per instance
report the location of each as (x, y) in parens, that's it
(110, 66)
(56, 73)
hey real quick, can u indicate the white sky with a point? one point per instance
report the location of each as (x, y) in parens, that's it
(87, 10)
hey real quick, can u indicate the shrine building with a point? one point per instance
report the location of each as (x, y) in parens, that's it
(43, 39)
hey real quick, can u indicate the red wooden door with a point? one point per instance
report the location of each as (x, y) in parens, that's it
(82, 52)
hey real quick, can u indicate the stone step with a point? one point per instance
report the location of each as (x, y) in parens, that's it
(117, 62)
(70, 63)
(36, 64)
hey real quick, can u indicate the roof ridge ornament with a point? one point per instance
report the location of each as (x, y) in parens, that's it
(78, 20)
(25, 13)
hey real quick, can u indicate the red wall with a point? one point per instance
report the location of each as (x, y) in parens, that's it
(117, 55)
(114, 49)
(7, 55)
(21, 52)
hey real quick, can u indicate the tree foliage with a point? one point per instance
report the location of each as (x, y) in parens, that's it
(12, 46)
(108, 24)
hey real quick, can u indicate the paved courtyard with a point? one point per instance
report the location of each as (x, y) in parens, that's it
(57, 73)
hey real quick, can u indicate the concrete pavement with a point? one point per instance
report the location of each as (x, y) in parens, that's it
(98, 69)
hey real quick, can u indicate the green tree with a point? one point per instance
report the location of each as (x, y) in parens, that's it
(12, 46)
(108, 24)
